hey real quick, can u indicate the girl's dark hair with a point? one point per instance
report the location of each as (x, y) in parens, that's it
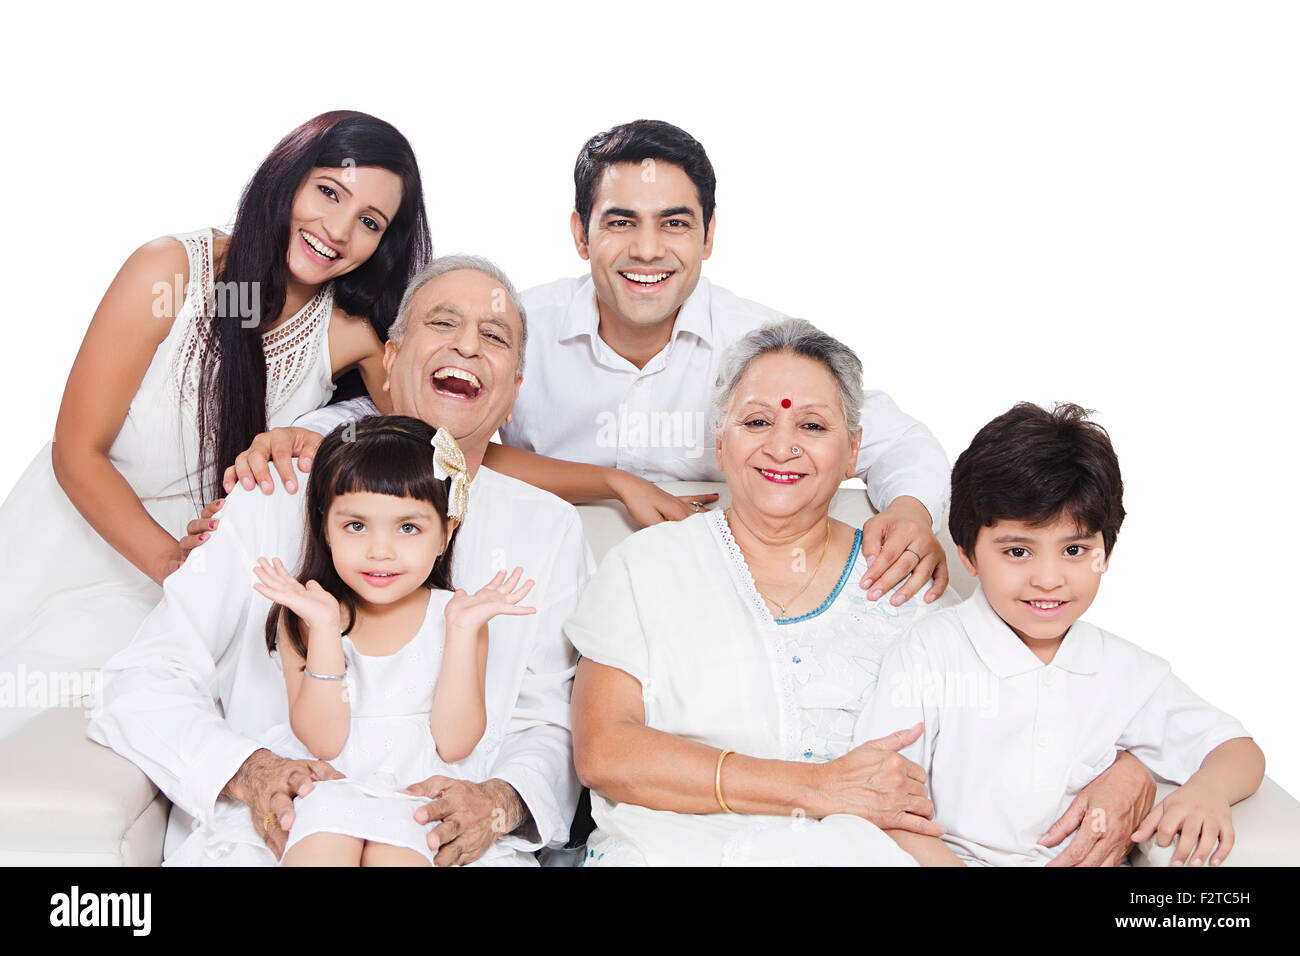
(232, 377)
(1035, 466)
(387, 455)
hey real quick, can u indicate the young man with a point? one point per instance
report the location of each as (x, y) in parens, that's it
(623, 361)
(1024, 703)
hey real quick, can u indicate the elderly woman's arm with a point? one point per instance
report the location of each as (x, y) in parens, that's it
(623, 760)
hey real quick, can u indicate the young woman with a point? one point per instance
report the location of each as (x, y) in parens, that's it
(202, 341)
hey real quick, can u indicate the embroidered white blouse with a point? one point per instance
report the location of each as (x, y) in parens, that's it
(674, 606)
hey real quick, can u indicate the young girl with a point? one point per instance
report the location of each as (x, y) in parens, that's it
(384, 665)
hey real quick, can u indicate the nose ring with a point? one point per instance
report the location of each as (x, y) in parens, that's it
(796, 450)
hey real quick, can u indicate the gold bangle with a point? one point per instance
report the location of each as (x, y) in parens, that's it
(717, 782)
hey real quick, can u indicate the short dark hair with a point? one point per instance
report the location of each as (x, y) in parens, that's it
(636, 142)
(1035, 466)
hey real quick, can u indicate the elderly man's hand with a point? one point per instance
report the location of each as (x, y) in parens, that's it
(1105, 814)
(877, 783)
(649, 504)
(267, 784)
(473, 815)
(279, 446)
(899, 542)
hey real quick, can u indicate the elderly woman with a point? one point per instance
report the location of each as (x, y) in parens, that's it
(725, 659)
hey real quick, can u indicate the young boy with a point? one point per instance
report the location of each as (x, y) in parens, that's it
(1023, 703)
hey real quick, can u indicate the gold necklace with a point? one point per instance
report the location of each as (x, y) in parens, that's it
(825, 545)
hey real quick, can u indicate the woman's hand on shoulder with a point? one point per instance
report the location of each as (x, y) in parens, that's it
(467, 613)
(311, 602)
(875, 782)
(279, 446)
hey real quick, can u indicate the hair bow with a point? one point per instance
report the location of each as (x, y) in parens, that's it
(449, 462)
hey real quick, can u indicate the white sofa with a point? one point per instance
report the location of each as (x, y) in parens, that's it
(66, 801)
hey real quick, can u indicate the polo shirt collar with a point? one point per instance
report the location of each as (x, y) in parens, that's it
(1006, 655)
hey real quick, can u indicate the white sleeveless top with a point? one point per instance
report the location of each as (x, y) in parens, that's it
(67, 599)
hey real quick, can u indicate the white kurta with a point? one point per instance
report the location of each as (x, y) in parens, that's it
(657, 421)
(188, 700)
(675, 607)
(1010, 741)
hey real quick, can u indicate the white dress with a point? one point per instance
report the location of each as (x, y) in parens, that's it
(675, 606)
(68, 600)
(389, 747)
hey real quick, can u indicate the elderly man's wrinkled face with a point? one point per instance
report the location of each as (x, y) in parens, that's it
(784, 445)
(458, 364)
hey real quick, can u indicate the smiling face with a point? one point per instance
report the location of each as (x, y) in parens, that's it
(646, 242)
(338, 218)
(383, 547)
(1038, 578)
(457, 366)
(783, 401)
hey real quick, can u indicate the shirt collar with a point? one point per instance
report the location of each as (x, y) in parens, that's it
(583, 318)
(1006, 655)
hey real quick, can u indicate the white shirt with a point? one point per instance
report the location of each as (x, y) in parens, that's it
(582, 401)
(1010, 741)
(187, 700)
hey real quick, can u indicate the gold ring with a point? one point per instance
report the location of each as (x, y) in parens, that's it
(269, 819)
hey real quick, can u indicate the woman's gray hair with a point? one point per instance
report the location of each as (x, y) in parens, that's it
(441, 266)
(798, 337)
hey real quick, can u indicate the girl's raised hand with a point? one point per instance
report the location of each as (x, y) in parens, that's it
(469, 612)
(312, 603)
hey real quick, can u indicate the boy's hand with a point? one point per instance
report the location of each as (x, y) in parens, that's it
(1198, 818)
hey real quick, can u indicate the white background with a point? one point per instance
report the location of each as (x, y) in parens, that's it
(1096, 202)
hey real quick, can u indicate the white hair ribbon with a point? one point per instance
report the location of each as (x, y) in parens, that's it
(449, 462)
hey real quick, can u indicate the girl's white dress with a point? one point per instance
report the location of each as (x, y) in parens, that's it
(675, 606)
(67, 599)
(389, 747)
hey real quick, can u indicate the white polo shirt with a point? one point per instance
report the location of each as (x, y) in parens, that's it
(582, 401)
(1010, 741)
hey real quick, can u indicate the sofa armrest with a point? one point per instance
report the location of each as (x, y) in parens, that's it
(67, 801)
(1267, 829)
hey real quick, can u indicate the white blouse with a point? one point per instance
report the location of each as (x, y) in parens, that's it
(674, 606)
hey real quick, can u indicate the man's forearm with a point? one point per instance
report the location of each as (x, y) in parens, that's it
(507, 799)
(574, 482)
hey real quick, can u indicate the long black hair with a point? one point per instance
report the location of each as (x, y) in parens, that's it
(232, 380)
(384, 454)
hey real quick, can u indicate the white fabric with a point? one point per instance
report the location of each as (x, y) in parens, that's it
(389, 747)
(657, 422)
(675, 607)
(1010, 741)
(68, 599)
(189, 699)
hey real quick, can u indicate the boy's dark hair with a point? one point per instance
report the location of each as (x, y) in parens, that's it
(1034, 466)
(388, 455)
(636, 142)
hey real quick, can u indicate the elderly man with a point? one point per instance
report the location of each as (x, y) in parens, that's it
(188, 698)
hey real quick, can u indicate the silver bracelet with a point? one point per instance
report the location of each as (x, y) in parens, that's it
(326, 676)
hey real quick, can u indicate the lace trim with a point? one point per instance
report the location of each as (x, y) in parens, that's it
(289, 347)
(778, 646)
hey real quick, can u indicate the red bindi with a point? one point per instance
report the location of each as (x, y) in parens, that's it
(785, 403)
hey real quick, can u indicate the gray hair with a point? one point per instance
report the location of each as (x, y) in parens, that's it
(798, 337)
(441, 266)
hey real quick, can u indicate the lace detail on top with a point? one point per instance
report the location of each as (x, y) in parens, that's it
(289, 347)
(778, 647)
